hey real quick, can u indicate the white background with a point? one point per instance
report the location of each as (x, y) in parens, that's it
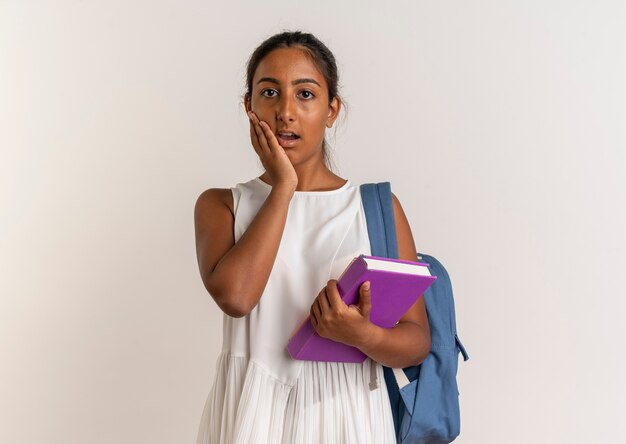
(499, 124)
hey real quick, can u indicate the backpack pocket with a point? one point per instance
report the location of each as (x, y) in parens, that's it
(432, 401)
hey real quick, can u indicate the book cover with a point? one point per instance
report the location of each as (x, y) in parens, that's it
(395, 286)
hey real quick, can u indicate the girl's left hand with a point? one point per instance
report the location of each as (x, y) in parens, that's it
(335, 320)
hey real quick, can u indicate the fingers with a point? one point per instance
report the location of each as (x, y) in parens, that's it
(254, 139)
(256, 135)
(313, 319)
(365, 299)
(319, 307)
(316, 313)
(270, 138)
(323, 301)
(327, 303)
(332, 294)
(265, 138)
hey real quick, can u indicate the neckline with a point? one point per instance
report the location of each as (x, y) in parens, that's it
(336, 190)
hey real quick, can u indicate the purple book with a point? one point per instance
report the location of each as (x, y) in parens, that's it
(395, 285)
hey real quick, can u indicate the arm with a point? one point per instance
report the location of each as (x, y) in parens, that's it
(235, 274)
(408, 343)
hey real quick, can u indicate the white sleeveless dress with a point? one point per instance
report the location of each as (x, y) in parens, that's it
(260, 394)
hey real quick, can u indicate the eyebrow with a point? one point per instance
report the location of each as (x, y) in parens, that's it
(295, 82)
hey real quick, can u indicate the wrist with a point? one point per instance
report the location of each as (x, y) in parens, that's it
(370, 337)
(282, 192)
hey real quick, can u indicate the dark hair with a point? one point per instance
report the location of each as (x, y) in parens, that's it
(314, 48)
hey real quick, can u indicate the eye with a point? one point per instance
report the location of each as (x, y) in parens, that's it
(307, 94)
(269, 92)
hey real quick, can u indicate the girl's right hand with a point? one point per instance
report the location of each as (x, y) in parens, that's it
(272, 155)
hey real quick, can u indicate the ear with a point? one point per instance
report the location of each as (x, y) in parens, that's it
(246, 102)
(333, 111)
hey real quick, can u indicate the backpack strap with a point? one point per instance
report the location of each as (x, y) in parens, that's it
(381, 228)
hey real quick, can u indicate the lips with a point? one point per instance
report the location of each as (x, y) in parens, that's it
(287, 135)
(287, 139)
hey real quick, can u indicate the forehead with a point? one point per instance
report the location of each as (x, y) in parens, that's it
(287, 64)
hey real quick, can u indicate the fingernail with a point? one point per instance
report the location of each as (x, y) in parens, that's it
(366, 286)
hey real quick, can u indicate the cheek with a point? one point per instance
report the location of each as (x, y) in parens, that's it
(318, 117)
(266, 115)
(258, 108)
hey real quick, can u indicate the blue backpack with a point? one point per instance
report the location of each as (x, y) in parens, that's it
(424, 398)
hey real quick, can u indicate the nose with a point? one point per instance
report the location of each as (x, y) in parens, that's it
(286, 109)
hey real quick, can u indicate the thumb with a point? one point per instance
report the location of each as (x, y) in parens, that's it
(365, 299)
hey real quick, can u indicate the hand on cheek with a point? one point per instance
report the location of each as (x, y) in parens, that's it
(272, 155)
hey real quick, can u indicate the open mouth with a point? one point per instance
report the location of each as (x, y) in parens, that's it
(287, 135)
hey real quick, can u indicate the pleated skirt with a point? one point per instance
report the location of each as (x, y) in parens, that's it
(331, 403)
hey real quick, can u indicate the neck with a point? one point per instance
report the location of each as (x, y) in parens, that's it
(319, 179)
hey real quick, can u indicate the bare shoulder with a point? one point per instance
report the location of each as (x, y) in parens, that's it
(396, 204)
(398, 212)
(214, 199)
(214, 221)
(406, 244)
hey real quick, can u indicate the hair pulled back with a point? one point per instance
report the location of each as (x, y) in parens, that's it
(319, 53)
(314, 48)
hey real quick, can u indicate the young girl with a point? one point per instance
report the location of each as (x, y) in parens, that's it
(270, 251)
